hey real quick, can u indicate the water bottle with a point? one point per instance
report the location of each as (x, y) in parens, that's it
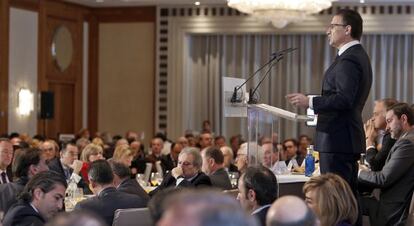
(309, 162)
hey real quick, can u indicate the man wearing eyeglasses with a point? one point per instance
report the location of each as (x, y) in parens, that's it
(339, 132)
(187, 173)
(6, 156)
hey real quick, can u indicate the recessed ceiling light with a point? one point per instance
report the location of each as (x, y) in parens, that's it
(197, 3)
(362, 1)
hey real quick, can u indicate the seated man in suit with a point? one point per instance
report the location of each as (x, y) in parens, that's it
(258, 189)
(107, 199)
(6, 156)
(271, 159)
(187, 173)
(228, 159)
(169, 161)
(157, 144)
(396, 179)
(27, 163)
(68, 165)
(41, 199)
(124, 183)
(376, 128)
(213, 166)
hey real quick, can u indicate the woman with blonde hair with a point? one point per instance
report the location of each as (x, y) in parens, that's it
(332, 200)
(123, 154)
(90, 153)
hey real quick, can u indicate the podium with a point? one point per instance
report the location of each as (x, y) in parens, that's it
(263, 125)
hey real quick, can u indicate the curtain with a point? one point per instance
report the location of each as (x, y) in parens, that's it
(210, 57)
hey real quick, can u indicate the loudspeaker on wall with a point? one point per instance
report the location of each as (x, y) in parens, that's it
(47, 105)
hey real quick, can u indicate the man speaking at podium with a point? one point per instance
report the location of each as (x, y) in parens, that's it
(339, 131)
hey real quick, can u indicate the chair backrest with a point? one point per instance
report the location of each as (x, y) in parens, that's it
(132, 217)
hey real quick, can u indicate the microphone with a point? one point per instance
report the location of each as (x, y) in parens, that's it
(276, 55)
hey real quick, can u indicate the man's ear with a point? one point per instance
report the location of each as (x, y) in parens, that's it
(210, 161)
(251, 195)
(37, 193)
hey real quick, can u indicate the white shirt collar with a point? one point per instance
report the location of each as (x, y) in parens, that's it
(347, 46)
(34, 207)
(260, 209)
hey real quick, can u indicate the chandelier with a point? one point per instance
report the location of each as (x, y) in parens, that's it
(280, 12)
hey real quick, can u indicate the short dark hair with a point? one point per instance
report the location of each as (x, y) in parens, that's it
(403, 109)
(214, 153)
(46, 181)
(66, 144)
(120, 169)
(23, 161)
(352, 18)
(101, 172)
(263, 182)
(294, 141)
(219, 137)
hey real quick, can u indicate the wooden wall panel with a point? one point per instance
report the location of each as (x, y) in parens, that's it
(53, 14)
(4, 64)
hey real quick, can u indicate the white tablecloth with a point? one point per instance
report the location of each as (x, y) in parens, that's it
(291, 178)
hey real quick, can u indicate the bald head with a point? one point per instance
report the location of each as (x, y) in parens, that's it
(281, 214)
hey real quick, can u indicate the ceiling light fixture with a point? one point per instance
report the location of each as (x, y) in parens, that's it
(280, 12)
(197, 3)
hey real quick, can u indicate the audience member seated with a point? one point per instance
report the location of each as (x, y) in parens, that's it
(204, 208)
(156, 147)
(41, 199)
(6, 157)
(169, 161)
(235, 142)
(123, 154)
(258, 189)
(281, 214)
(304, 142)
(28, 163)
(271, 159)
(107, 199)
(228, 159)
(50, 149)
(213, 166)
(124, 183)
(183, 141)
(91, 153)
(396, 179)
(192, 141)
(241, 158)
(219, 141)
(166, 143)
(291, 150)
(68, 165)
(138, 162)
(377, 136)
(76, 218)
(206, 140)
(331, 199)
(82, 143)
(187, 173)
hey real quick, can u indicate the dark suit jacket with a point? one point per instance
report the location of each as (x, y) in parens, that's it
(56, 165)
(9, 173)
(375, 158)
(167, 163)
(396, 181)
(345, 88)
(9, 193)
(22, 214)
(261, 216)
(220, 179)
(131, 186)
(109, 200)
(201, 180)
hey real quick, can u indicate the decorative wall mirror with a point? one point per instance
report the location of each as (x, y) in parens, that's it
(62, 47)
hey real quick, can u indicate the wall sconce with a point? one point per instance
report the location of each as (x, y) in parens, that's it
(25, 97)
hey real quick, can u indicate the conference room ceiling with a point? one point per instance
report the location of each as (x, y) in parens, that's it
(125, 3)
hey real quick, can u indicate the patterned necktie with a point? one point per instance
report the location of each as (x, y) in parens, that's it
(3, 178)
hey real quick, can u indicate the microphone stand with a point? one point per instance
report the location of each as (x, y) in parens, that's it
(253, 100)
